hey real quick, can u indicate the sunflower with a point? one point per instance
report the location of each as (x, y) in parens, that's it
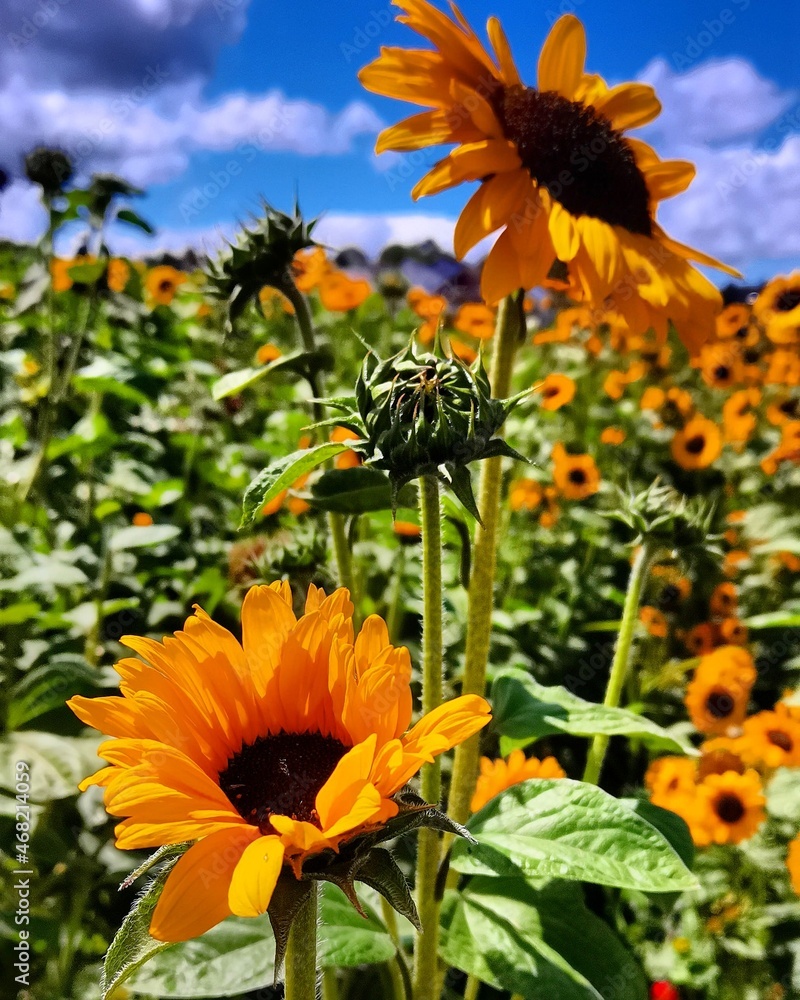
(731, 808)
(117, 274)
(476, 319)
(268, 353)
(701, 639)
(772, 739)
(793, 863)
(555, 391)
(697, 444)
(60, 267)
(263, 754)
(617, 380)
(719, 756)
(733, 632)
(576, 476)
(339, 293)
(724, 599)
(737, 420)
(612, 435)
(162, 283)
(407, 532)
(733, 319)
(654, 621)
(497, 775)
(717, 696)
(525, 494)
(783, 409)
(778, 309)
(669, 778)
(273, 302)
(463, 351)
(309, 266)
(558, 175)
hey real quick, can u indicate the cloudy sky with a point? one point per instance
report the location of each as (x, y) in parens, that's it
(210, 104)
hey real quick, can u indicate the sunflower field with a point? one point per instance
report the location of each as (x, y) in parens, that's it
(369, 640)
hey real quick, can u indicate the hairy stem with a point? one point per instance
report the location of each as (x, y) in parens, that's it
(301, 952)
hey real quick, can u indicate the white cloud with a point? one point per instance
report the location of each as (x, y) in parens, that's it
(22, 217)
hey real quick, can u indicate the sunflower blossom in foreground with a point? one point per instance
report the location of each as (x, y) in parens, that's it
(273, 755)
(556, 170)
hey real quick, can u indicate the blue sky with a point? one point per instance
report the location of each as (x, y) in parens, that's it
(212, 103)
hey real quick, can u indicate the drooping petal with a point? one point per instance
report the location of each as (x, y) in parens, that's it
(461, 48)
(447, 725)
(348, 799)
(563, 56)
(254, 877)
(430, 128)
(489, 208)
(671, 177)
(195, 897)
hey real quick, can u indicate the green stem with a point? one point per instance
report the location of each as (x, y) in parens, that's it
(619, 665)
(301, 952)
(472, 988)
(341, 550)
(426, 971)
(394, 613)
(330, 987)
(510, 326)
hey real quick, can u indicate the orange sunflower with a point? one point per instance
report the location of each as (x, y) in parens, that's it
(793, 863)
(778, 308)
(697, 444)
(555, 391)
(558, 174)
(772, 738)
(717, 696)
(576, 476)
(730, 808)
(497, 775)
(264, 754)
(162, 283)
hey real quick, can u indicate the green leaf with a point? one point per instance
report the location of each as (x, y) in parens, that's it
(541, 942)
(87, 273)
(787, 618)
(56, 763)
(558, 828)
(233, 382)
(669, 824)
(142, 537)
(346, 938)
(524, 711)
(105, 385)
(358, 490)
(134, 219)
(281, 474)
(48, 686)
(15, 614)
(132, 945)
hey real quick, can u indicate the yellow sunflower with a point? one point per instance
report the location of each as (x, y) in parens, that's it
(576, 476)
(497, 775)
(778, 308)
(555, 391)
(263, 754)
(717, 696)
(772, 739)
(162, 283)
(731, 808)
(793, 863)
(697, 444)
(669, 778)
(557, 173)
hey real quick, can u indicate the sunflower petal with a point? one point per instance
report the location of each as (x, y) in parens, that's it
(348, 799)
(500, 275)
(447, 725)
(563, 56)
(470, 162)
(489, 208)
(563, 231)
(689, 253)
(508, 69)
(629, 105)
(254, 877)
(195, 896)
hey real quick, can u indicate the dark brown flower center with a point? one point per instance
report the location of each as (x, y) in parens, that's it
(788, 300)
(729, 808)
(721, 373)
(165, 286)
(789, 407)
(718, 762)
(719, 703)
(780, 739)
(280, 774)
(575, 152)
(577, 476)
(696, 444)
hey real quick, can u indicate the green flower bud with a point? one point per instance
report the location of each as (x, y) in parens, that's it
(50, 168)
(428, 414)
(262, 255)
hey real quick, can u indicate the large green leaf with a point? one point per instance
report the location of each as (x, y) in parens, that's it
(56, 763)
(281, 474)
(524, 711)
(297, 361)
(346, 938)
(569, 829)
(541, 942)
(358, 490)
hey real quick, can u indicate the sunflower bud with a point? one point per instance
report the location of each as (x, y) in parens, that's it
(262, 255)
(429, 414)
(49, 168)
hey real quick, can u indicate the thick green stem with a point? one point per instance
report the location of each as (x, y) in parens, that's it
(472, 988)
(301, 952)
(341, 550)
(619, 665)
(426, 972)
(484, 561)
